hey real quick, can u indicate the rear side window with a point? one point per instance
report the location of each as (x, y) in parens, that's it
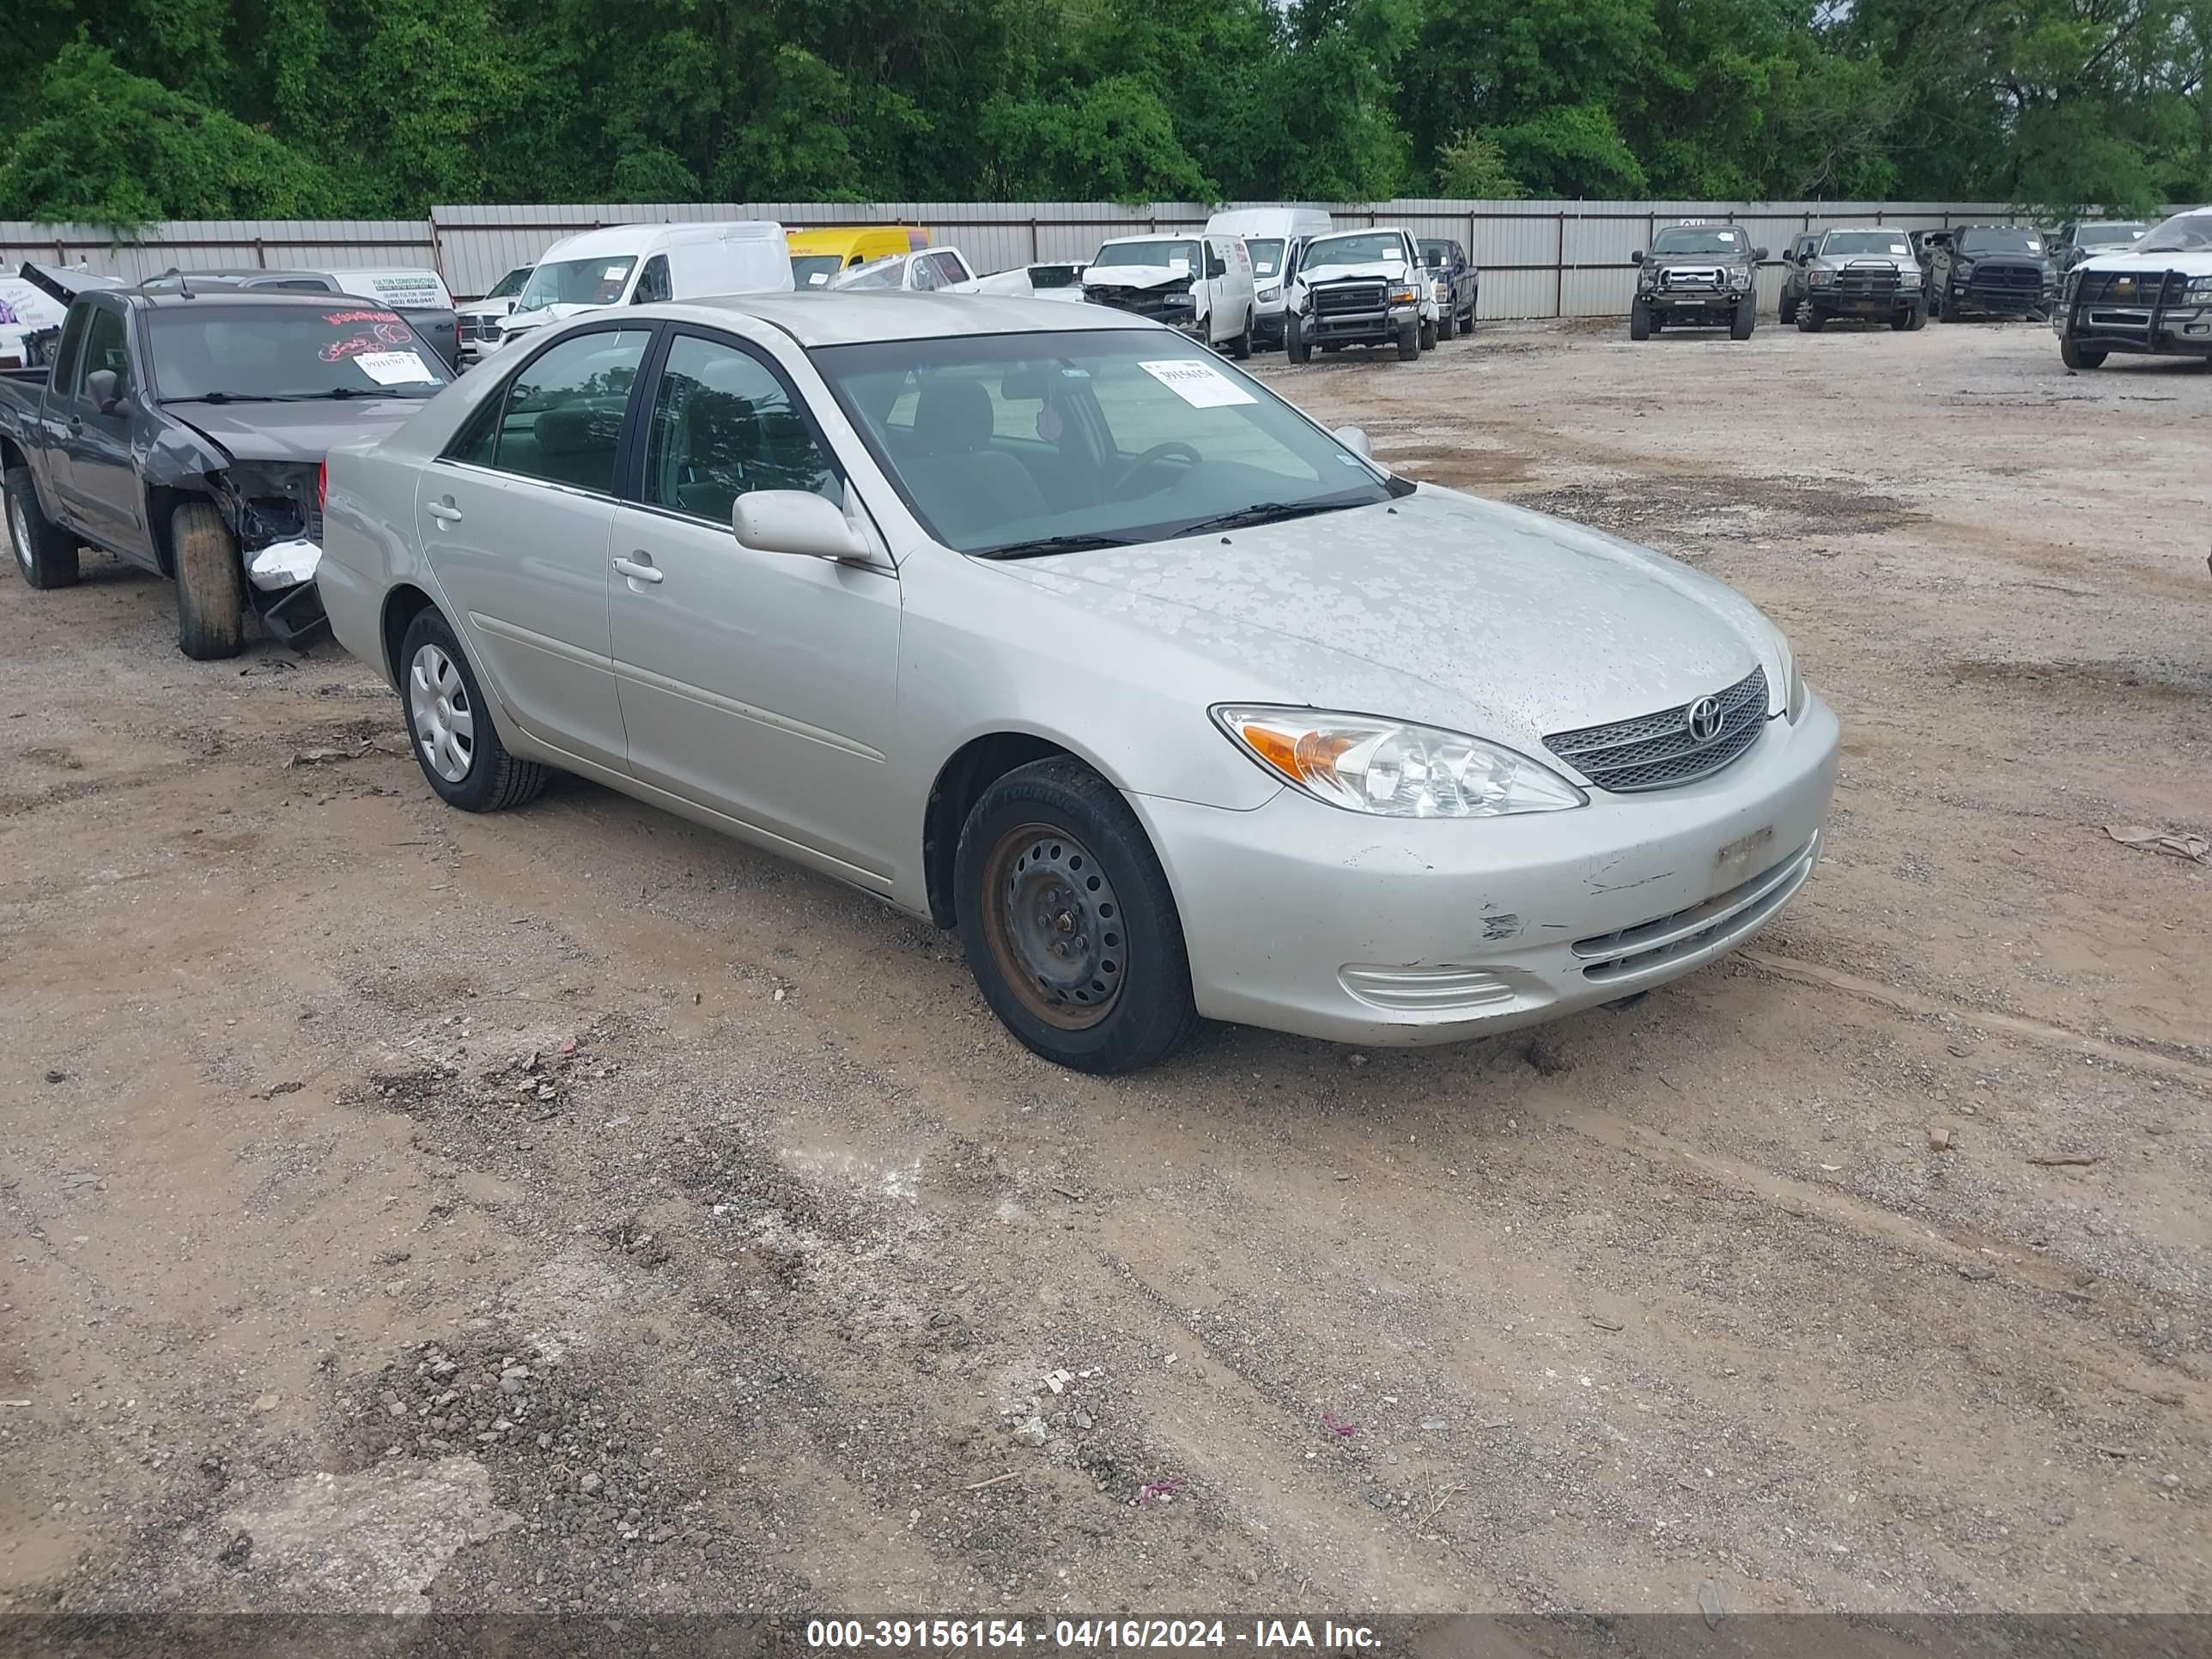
(652, 285)
(560, 418)
(72, 343)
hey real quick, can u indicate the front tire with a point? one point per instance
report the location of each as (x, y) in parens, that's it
(45, 552)
(2077, 356)
(1427, 335)
(1447, 325)
(211, 584)
(450, 724)
(1916, 318)
(1809, 320)
(1295, 346)
(1745, 317)
(1639, 321)
(1409, 341)
(1068, 923)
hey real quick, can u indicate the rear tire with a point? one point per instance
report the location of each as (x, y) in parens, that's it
(450, 724)
(45, 552)
(1241, 347)
(1068, 923)
(1409, 341)
(1295, 346)
(1746, 318)
(1639, 321)
(1474, 308)
(2079, 356)
(211, 584)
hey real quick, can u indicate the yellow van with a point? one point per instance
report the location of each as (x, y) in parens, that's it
(818, 255)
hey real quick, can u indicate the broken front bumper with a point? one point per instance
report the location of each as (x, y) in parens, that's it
(283, 577)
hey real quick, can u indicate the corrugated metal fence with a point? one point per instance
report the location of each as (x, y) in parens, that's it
(1538, 258)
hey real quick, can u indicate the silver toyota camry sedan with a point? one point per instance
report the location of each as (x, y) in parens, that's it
(1062, 632)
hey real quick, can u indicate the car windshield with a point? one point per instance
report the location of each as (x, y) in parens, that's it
(814, 270)
(1435, 254)
(1267, 253)
(887, 272)
(2106, 235)
(216, 353)
(1014, 444)
(2001, 239)
(1698, 239)
(1868, 241)
(1168, 254)
(2184, 232)
(1360, 248)
(511, 284)
(596, 282)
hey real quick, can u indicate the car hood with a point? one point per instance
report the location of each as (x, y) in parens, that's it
(1134, 275)
(1436, 607)
(1388, 270)
(2196, 262)
(292, 432)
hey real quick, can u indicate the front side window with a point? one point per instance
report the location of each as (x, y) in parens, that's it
(653, 284)
(107, 345)
(209, 352)
(560, 419)
(921, 274)
(723, 425)
(72, 347)
(598, 281)
(1016, 444)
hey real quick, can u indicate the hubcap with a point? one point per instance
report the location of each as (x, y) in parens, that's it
(1054, 926)
(19, 532)
(438, 705)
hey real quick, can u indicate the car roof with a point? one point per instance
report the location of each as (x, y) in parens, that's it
(228, 297)
(1861, 230)
(847, 317)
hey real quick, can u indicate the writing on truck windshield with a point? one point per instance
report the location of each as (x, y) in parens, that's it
(213, 354)
(597, 282)
(1016, 446)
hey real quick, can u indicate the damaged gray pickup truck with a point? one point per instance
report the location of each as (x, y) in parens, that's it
(184, 432)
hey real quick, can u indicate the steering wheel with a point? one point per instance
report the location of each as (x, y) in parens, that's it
(1173, 449)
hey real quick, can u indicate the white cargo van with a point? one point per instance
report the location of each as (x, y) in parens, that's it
(1274, 236)
(1193, 280)
(635, 265)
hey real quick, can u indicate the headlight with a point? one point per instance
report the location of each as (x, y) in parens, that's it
(1270, 291)
(1784, 667)
(1739, 280)
(1404, 297)
(2200, 288)
(1908, 277)
(1963, 270)
(1392, 769)
(1818, 276)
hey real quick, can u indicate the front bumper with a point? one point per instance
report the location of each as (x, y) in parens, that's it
(1999, 302)
(1304, 918)
(1695, 307)
(1844, 303)
(1359, 327)
(2183, 331)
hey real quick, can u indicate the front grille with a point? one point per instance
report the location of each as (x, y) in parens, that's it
(1657, 751)
(2131, 288)
(2007, 279)
(1689, 279)
(464, 327)
(1720, 920)
(1160, 304)
(1335, 298)
(1863, 280)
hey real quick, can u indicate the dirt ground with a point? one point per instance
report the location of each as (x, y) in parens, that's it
(569, 1209)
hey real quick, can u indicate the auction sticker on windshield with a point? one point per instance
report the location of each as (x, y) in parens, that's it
(394, 367)
(1199, 385)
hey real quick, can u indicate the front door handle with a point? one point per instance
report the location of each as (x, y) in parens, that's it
(638, 567)
(444, 512)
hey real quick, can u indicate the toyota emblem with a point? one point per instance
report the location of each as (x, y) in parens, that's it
(1706, 719)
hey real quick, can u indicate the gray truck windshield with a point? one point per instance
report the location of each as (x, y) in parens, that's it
(1698, 239)
(217, 353)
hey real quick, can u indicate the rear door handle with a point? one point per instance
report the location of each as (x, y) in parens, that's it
(444, 512)
(639, 568)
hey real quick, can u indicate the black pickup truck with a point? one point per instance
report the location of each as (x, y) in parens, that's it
(184, 432)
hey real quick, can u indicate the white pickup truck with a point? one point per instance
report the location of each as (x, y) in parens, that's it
(2153, 297)
(1360, 288)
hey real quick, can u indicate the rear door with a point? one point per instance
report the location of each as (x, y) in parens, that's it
(760, 684)
(517, 520)
(55, 470)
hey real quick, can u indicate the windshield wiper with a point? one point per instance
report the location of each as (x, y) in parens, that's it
(1259, 513)
(1073, 543)
(222, 398)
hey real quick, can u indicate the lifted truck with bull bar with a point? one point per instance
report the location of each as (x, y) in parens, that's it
(2153, 297)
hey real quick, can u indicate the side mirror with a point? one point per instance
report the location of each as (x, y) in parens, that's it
(1354, 438)
(795, 521)
(1758, 255)
(104, 390)
(1636, 258)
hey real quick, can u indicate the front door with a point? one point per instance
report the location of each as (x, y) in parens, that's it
(109, 504)
(516, 521)
(757, 684)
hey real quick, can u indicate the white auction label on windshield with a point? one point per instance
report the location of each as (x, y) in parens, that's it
(395, 367)
(1199, 385)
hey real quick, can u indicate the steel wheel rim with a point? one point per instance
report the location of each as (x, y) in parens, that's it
(19, 532)
(1055, 927)
(444, 719)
